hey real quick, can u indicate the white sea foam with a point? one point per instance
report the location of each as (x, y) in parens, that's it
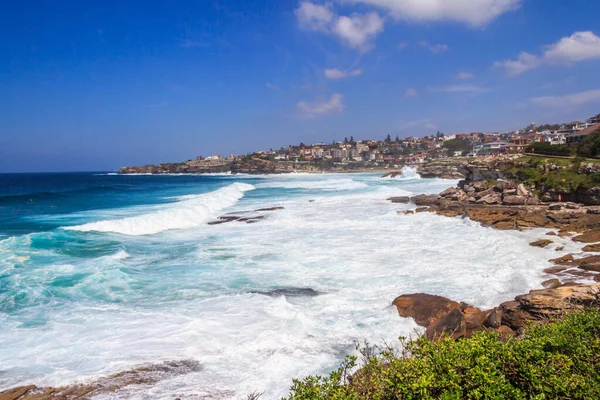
(327, 184)
(189, 213)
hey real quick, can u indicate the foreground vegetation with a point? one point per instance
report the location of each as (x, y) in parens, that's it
(588, 147)
(560, 360)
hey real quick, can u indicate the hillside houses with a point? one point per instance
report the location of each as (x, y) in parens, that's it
(348, 154)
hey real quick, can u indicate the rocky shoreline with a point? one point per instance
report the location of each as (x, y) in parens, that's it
(505, 204)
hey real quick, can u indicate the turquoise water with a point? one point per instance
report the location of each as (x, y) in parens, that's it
(100, 273)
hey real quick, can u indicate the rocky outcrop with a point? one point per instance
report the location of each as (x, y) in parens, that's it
(424, 308)
(144, 375)
(442, 168)
(444, 316)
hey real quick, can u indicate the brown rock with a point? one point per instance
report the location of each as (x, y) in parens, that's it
(15, 393)
(406, 212)
(551, 233)
(562, 233)
(564, 260)
(559, 248)
(425, 200)
(505, 332)
(554, 270)
(424, 308)
(452, 324)
(493, 318)
(550, 302)
(421, 209)
(474, 318)
(593, 248)
(590, 263)
(590, 237)
(513, 316)
(540, 243)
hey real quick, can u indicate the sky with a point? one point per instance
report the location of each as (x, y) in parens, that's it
(93, 86)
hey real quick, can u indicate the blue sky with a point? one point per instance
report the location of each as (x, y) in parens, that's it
(96, 87)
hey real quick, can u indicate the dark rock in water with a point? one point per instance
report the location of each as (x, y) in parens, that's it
(230, 218)
(391, 174)
(425, 200)
(270, 209)
(289, 292)
(400, 199)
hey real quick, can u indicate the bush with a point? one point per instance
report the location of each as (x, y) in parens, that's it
(549, 149)
(553, 361)
(590, 145)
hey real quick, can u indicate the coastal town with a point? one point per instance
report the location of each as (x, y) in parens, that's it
(350, 155)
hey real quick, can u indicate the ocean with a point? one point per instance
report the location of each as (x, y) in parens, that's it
(101, 273)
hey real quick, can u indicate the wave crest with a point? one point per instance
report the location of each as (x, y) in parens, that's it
(188, 213)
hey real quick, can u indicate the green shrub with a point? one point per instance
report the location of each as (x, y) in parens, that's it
(560, 360)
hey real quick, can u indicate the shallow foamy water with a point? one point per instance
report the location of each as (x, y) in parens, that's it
(116, 287)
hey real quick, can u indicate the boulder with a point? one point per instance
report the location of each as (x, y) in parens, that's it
(453, 324)
(532, 201)
(450, 192)
(593, 248)
(421, 209)
(424, 308)
(490, 199)
(493, 318)
(522, 190)
(541, 243)
(509, 192)
(514, 200)
(502, 185)
(590, 237)
(551, 283)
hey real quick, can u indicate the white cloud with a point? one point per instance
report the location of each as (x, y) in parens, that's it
(335, 73)
(523, 63)
(356, 31)
(402, 45)
(471, 12)
(314, 16)
(434, 48)
(464, 76)
(271, 86)
(572, 100)
(460, 89)
(322, 107)
(580, 46)
(410, 93)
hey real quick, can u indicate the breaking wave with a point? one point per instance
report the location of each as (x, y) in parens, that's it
(188, 213)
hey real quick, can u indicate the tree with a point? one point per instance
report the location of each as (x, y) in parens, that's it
(457, 145)
(388, 139)
(352, 142)
(397, 139)
(590, 145)
(345, 140)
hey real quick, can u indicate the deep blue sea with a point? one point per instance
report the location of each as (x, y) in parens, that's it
(100, 273)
